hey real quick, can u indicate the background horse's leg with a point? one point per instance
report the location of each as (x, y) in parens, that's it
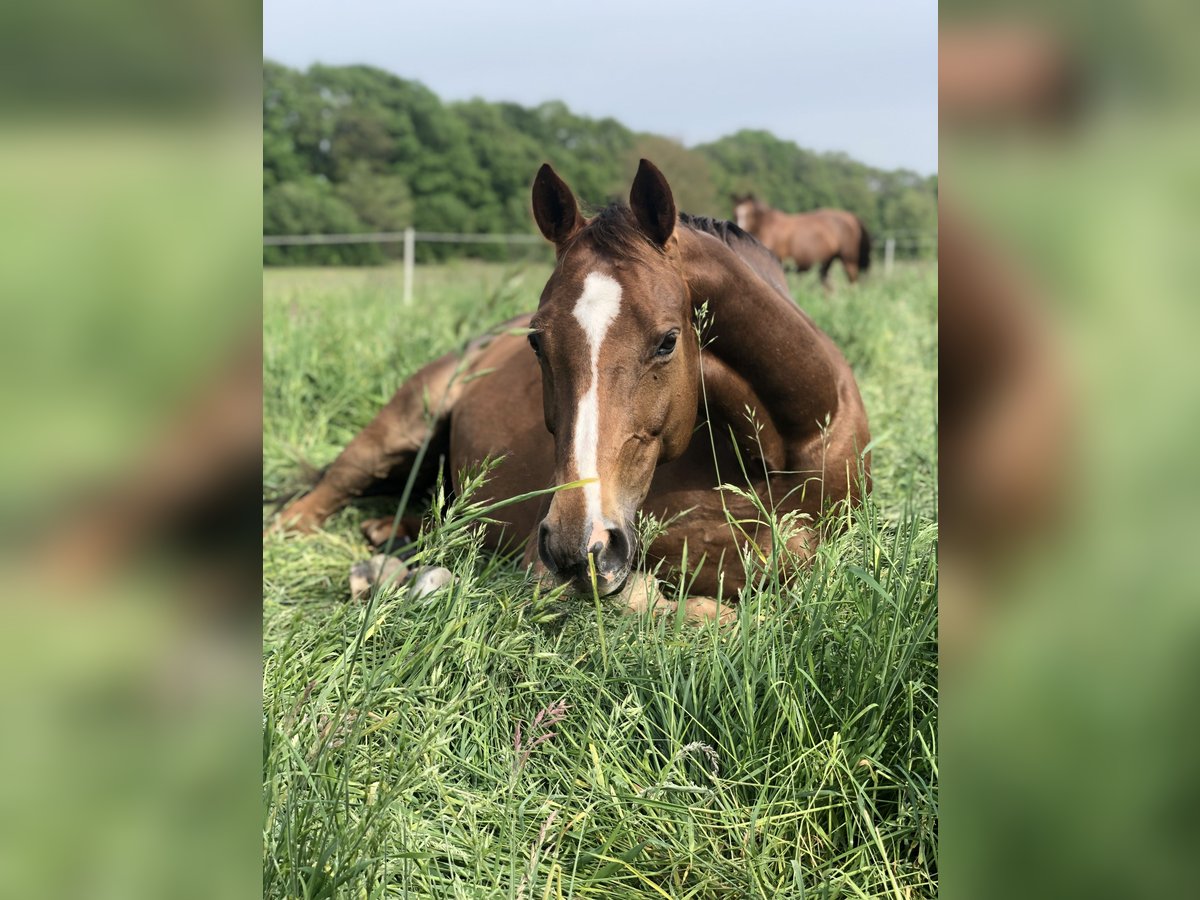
(825, 267)
(851, 267)
(386, 449)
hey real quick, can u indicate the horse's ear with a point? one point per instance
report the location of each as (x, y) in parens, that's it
(652, 204)
(554, 206)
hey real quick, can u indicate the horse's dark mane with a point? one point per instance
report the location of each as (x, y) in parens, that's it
(614, 231)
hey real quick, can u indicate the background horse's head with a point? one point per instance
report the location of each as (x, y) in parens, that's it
(620, 369)
(746, 211)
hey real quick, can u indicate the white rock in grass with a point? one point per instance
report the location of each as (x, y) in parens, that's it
(424, 581)
(380, 569)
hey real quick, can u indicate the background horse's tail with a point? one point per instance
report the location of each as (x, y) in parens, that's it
(864, 246)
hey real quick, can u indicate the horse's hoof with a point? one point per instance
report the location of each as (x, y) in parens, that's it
(701, 610)
(376, 571)
(641, 593)
(296, 518)
(425, 581)
(379, 531)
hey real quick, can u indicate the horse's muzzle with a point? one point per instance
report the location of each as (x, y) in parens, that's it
(573, 563)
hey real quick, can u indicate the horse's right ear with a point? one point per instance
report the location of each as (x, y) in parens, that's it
(554, 206)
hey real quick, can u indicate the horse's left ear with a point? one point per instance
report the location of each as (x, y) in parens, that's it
(652, 203)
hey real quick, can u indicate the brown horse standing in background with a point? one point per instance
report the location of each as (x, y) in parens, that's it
(606, 388)
(809, 239)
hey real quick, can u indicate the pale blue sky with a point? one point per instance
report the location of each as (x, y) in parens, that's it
(852, 75)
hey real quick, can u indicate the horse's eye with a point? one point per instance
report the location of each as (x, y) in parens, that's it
(667, 347)
(535, 341)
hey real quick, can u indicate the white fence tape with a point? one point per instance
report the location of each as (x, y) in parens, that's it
(409, 237)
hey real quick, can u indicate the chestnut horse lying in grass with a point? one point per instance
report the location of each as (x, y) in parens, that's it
(808, 239)
(607, 384)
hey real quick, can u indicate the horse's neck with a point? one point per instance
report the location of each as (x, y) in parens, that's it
(762, 335)
(731, 405)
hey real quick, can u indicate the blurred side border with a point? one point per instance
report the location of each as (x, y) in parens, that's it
(1071, 624)
(130, 370)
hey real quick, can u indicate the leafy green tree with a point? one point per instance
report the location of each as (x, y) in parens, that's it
(311, 207)
(286, 109)
(360, 140)
(355, 148)
(380, 202)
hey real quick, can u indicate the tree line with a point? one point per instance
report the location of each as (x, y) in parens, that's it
(352, 149)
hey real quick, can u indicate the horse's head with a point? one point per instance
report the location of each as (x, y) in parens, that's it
(746, 211)
(620, 369)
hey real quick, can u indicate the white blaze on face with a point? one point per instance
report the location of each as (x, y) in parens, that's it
(743, 216)
(595, 311)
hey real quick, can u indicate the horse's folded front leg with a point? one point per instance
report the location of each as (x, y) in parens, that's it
(642, 593)
(365, 461)
(416, 416)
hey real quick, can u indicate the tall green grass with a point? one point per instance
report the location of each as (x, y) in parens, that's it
(495, 741)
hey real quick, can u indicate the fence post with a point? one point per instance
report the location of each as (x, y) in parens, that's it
(410, 240)
(889, 255)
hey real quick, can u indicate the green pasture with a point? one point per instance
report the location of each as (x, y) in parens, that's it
(792, 754)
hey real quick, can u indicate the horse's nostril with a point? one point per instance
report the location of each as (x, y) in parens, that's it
(618, 545)
(606, 557)
(613, 555)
